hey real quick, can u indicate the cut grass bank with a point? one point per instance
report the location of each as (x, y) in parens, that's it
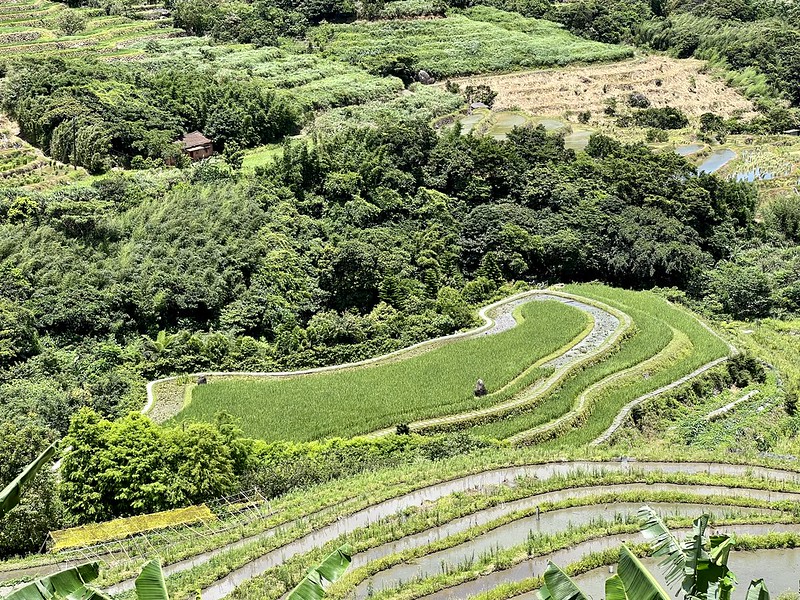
(360, 400)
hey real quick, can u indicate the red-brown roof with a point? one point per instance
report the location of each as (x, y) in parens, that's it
(191, 140)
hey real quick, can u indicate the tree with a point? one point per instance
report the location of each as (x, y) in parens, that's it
(18, 338)
(71, 22)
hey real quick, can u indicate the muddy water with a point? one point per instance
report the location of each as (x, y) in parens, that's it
(755, 174)
(551, 124)
(478, 481)
(518, 532)
(688, 150)
(577, 139)
(716, 161)
(468, 123)
(536, 567)
(746, 565)
(504, 122)
(490, 514)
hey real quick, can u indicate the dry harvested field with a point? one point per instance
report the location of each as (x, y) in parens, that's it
(665, 81)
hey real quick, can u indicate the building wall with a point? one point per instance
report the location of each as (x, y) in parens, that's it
(202, 153)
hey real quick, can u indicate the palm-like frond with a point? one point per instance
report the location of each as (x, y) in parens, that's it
(11, 494)
(615, 589)
(664, 544)
(330, 569)
(558, 586)
(637, 580)
(150, 584)
(64, 585)
(757, 590)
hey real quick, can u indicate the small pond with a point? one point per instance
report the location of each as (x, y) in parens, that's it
(551, 124)
(754, 174)
(468, 122)
(717, 160)
(577, 140)
(688, 150)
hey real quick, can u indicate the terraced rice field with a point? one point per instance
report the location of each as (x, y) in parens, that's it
(665, 344)
(437, 382)
(486, 524)
(439, 531)
(23, 166)
(31, 28)
(478, 40)
(639, 346)
(665, 81)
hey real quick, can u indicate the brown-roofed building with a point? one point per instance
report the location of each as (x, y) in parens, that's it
(197, 146)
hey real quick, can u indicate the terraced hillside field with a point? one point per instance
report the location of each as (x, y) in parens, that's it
(32, 27)
(408, 387)
(543, 388)
(665, 81)
(418, 533)
(478, 40)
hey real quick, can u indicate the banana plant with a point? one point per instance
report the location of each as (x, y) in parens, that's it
(632, 582)
(73, 584)
(700, 563)
(12, 493)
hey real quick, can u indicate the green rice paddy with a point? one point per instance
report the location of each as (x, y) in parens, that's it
(437, 382)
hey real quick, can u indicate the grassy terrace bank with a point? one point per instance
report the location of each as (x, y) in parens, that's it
(360, 400)
(480, 39)
(671, 340)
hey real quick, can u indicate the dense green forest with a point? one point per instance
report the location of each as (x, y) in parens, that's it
(373, 231)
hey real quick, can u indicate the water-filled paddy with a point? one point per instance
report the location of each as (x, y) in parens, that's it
(717, 160)
(504, 122)
(746, 565)
(519, 531)
(468, 123)
(688, 149)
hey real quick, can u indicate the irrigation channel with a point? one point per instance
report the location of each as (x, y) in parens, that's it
(777, 580)
(469, 483)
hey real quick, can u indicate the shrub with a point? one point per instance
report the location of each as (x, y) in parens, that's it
(638, 100)
(71, 22)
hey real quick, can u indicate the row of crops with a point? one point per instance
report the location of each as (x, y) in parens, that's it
(489, 532)
(644, 344)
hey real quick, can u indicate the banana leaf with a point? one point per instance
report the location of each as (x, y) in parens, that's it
(663, 544)
(757, 590)
(637, 580)
(558, 586)
(615, 589)
(11, 494)
(329, 570)
(69, 584)
(150, 584)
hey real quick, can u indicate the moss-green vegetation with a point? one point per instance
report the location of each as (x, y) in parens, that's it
(354, 401)
(477, 40)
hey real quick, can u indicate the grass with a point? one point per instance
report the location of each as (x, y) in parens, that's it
(356, 401)
(655, 320)
(478, 40)
(418, 519)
